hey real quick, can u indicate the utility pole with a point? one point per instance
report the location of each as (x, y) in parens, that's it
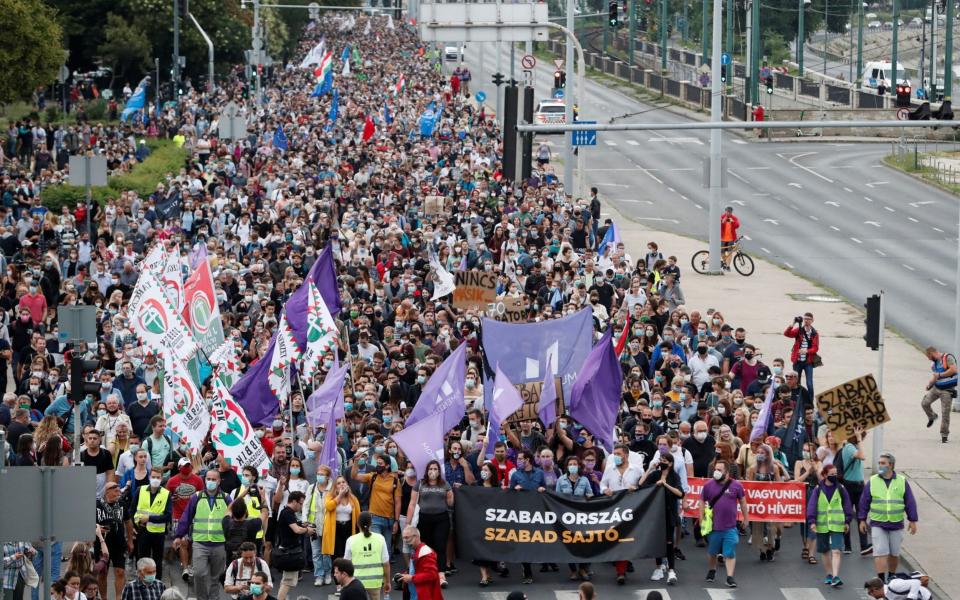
(754, 76)
(569, 100)
(948, 54)
(748, 87)
(257, 43)
(850, 45)
(801, 36)
(632, 42)
(934, 25)
(716, 151)
(176, 51)
(859, 42)
(826, 34)
(705, 51)
(606, 34)
(896, 35)
(730, 17)
(663, 37)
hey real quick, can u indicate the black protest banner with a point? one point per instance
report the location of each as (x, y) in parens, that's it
(520, 526)
(855, 403)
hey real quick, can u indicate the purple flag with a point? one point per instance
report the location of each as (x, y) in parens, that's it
(324, 400)
(443, 394)
(760, 429)
(252, 392)
(506, 401)
(595, 400)
(548, 398)
(328, 454)
(522, 350)
(422, 442)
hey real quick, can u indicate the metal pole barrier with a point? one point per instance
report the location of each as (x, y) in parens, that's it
(878, 431)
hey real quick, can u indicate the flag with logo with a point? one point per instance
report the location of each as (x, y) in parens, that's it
(314, 56)
(280, 139)
(321, 332)
(401, 83)
(226, 359)
(184, 408)
(369, 129)
(443, 393)
(137, 101)
(201, 311)
(506, 401)
(285, 353)
(232, 433)
(422, 442)
(326, 65)
(445, 283)
(156, 321)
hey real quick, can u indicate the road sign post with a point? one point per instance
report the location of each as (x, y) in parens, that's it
(586, 137)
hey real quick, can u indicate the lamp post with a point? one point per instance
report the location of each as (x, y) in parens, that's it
(860, 43)
(663, 36)
(705, 51)
(947, 54)
(896, 35)
(801, 35)
(730, 17)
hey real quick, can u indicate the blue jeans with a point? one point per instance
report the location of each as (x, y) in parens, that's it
(322, 563)
(384, 527)
(805, 369)
(56, 554)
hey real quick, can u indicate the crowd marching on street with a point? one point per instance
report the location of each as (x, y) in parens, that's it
(331, 236)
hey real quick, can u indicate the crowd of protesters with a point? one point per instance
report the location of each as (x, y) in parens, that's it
(693, 382)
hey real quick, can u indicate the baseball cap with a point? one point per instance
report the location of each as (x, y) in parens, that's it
(183, 462)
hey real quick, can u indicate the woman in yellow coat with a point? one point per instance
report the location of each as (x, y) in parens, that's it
(340, 518)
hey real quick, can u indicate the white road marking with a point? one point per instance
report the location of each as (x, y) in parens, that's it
(868, 199)
(874, 223)
(774, 221)
(940, 282)
(856, 240)
(674, 221)
(835, 228)
(793, 162)
(698, 206)
(651, 175)
(632, 201)
(938, 229)
(832, 203)
(720, 594)
(677, 140)
(876, 183)
(620, 185)
(740, 177)
(801, 594)
(671, 189)
(735, 141)
(880, 252)
(788, 265)
(633, 142)
(814, 218)
(908, 267)
(610, 142)
(846, 189)
(758, 168)
(922, 203)
(796, 185)
(739, 202)
(760, 194)
(747, 237)
(683, 169)
(684, 197)
(765, 250)
(912, 219)
(888, 209)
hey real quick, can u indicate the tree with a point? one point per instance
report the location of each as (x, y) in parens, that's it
(30, 52)
(125, 48)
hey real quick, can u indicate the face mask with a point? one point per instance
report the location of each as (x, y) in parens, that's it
(412, 473)
(259, 433)
(34, 388)
(664, 449)
(761, 458)
(617, 460)
(748, 355)
(134, 448)
(573, 469)
(701, 349)
(883, 470)
(106, 385)
(348, 406)
(149, 578)
(421, 379)
(777, 370)
(101, 413)
(433, 474)
(484, 475)
(471, 383)
(141, 396)
(700, 436)
(721, 410)
(832, 479)
(294, 470)
(717, 474)
(546, 462)
(806, 455)
(256, 589)
(368, 403)
(378, 449)
(211, 486)
(245, 481)
(668, 338)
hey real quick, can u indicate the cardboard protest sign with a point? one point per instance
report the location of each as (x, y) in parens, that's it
(852, 404)
(530, 392)
(510, 310)
(475, 290)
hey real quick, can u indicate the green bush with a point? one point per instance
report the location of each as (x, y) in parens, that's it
(164, 158)
(52, 113)
(96, 109)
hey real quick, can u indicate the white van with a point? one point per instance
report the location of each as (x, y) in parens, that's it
(876, 71)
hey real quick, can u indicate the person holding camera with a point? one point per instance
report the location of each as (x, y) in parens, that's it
(806, 348)
(943, 387)
(289, 556)
(240, 573)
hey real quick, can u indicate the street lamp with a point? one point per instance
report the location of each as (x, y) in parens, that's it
(801, 35)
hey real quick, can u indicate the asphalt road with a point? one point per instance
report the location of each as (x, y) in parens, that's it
(829, 211)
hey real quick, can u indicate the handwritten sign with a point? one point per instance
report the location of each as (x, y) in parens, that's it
(530, 392)
(852, 404)
(475, 290)
(511, 310)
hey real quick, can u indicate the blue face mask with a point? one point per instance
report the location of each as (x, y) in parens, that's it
(244, 481)
(368, 403)
(294, 470)
(321, 479)
(348, 406)
(617, 460)
(309, 453)
(573, 469)
(212, 486)
(256, 589)
(387, 419)
(149, 578)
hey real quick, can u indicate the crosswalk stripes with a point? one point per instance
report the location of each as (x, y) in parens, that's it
(802, 594)
(713, 593)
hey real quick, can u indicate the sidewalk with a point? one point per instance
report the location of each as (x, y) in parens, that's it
(764, 304)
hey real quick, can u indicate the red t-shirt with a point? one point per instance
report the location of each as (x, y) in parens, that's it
(182, 488)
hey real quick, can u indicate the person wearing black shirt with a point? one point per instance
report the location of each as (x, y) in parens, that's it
(290, 535)
(663, 475)
(350, 588)
(604, 290)
(642, 442)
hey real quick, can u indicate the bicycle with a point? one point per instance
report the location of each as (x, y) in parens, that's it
(741, 261)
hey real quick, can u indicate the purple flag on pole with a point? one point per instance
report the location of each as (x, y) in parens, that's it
(328, 454)
(422, 442)
(760, 429)
(443, 394)
(548, 398)
(595, 400)
(252, 392)
(324, 400)
(506, 401)
(522, 350)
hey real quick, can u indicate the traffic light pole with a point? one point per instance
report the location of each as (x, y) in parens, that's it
(632, 42)
(176, 51)
(859, 72)
(878, 431)
(947, 54)
(571, 94)
(730, 17)
(716, 158)
(896, 36)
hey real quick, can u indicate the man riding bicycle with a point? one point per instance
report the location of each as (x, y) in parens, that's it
(728, 236)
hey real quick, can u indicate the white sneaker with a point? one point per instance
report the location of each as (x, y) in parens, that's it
(672, 577)
(318, 582)
(657, 574)
(327, 580)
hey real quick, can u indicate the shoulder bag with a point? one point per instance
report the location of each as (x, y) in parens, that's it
(706, 525)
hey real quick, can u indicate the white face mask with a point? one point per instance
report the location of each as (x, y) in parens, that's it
(700, 436)
(717, 474)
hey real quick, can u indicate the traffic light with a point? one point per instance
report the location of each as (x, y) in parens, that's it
(614, 13)
(872, 322)
(903, 95)
(559, 80)
(723, 73)
(769, 83)
(498, 79)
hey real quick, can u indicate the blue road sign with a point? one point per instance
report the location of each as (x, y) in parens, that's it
(558, 93)
(480, 96)
(725, 58)
(585, 138)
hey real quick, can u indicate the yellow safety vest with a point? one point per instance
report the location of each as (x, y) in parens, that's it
(155, 508)
(253, 510)
(830, 517)
(366, 553)
(886, 501)
(313, 507)
(208, 522)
